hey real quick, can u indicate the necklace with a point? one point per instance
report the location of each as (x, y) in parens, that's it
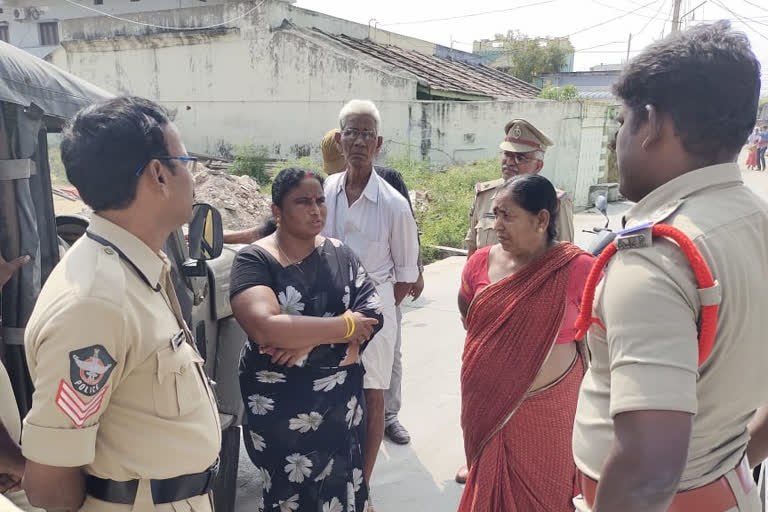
(291, 262)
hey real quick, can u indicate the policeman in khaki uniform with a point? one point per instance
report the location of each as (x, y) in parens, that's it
(522, 153)
(122, 406)
(655, 430)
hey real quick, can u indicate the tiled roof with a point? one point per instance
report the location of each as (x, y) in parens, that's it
(442, 74)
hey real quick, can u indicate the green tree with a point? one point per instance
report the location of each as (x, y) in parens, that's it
(528, 57)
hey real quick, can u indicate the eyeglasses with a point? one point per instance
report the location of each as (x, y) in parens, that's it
(519, 158)
(190, 160)
(354, 133)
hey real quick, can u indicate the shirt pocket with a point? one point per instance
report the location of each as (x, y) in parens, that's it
(486, 233)
(370, 251)
(177, 388)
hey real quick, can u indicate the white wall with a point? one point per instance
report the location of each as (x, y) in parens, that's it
(281, 89)
(456, 132)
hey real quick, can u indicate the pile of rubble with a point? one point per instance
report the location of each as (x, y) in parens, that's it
(238, 198)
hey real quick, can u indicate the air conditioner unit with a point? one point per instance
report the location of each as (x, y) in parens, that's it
(20, 14)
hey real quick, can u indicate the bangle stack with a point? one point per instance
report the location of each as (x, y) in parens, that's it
(349, 320)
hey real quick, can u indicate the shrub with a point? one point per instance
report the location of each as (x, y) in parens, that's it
(566, 93)
(251, 160)
(446, 219)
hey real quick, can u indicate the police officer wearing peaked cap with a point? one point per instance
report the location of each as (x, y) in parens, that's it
(523, 151)
(122, 415)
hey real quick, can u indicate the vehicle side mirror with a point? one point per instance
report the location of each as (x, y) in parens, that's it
(206, 233)
(601, 203)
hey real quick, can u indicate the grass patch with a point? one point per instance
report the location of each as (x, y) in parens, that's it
(446, 220)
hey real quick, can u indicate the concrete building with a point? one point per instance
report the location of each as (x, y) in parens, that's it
(594, 84)
(272, 74)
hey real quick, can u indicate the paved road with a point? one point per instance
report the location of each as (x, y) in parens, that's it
(419, 477)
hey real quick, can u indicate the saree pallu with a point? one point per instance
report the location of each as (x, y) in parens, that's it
(752, 156)
(518, 443)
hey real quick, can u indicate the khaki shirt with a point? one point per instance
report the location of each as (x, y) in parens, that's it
(9, 411)
(119, 386)
(9, 416)
(481, 220)
(647, 358)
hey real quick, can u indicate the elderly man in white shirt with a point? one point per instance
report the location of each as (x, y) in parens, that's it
(373, 219)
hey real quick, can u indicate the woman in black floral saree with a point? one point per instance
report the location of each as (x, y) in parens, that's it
(309, 309)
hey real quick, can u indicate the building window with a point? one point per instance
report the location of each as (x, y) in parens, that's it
(4, 33)
(49, 33)
(98, 2)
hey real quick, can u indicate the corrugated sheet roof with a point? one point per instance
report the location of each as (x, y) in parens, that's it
(445, 74)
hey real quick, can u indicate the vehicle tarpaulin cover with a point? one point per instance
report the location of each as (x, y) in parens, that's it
(32, 92)
(25, 79)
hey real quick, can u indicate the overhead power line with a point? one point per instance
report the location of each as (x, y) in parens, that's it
(661, 6)
(608, 20)
(470, 15)
(165, 27)
(582, 50)
(636, 13)
(756, 5)
(721, 4)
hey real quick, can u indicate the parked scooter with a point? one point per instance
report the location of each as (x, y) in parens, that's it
(605, 236)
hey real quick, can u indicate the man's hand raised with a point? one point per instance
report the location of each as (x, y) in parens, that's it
(8, 268)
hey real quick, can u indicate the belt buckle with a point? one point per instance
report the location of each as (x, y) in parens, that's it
(213, 472)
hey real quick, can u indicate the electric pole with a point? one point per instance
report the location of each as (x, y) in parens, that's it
(676, 17)
(629, 45)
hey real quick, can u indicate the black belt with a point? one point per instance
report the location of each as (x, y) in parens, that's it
(163, 491)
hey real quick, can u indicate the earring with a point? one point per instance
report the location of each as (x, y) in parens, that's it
(277, 223)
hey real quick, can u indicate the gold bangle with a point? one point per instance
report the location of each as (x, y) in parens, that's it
(352, 331)
(348, 323)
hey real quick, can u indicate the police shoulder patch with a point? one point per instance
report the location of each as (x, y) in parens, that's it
(637, 237)
(90, 368)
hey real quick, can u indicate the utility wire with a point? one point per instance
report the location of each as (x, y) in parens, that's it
(661, 6)
(470, 15)
(582, 50)
(718, 2)
(756, 5)
(152, 25)
(654, 17)
(607, 21)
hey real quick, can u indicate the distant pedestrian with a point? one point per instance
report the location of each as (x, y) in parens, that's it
(762, 146)
(752, 143)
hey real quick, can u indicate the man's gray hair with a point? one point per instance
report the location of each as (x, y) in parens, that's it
(360, 108)
(539, 155)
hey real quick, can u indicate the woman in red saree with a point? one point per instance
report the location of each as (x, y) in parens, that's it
(521, 369)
